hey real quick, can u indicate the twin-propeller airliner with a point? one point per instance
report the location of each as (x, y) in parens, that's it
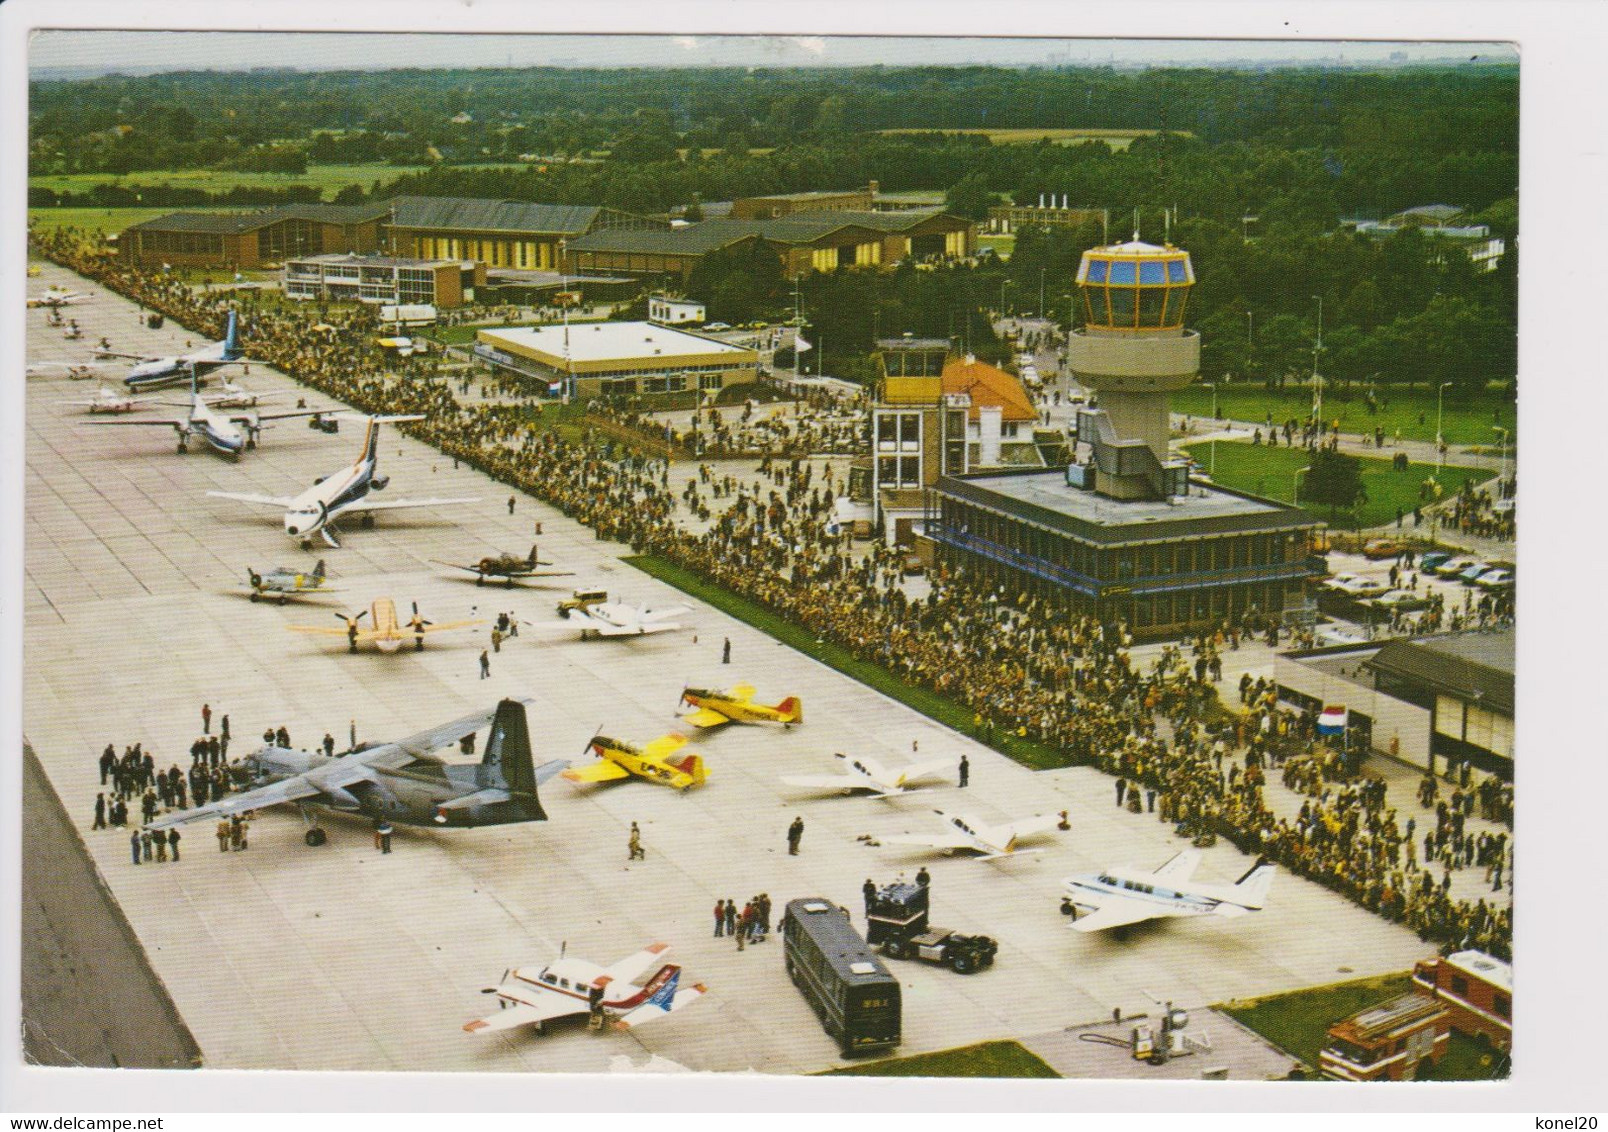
(1121, 896)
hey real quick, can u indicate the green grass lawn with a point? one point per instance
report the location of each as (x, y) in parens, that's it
(99, 219)
(1270, 472)
(329, 179)
(928, 703)
(989, 1059)
(1298, 1023)
(1465, 422)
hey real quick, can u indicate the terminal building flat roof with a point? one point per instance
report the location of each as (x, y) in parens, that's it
(1047, 499)
(601, 345)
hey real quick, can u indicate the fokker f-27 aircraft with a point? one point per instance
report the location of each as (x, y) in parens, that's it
(404, 782)
(508, 567)
(228, 433)
(386, 632)
(568, 987)
(153, 373)
(990, 840)
(656, 762)
(1118, 897)
(315, 510)
(868, 774)
(737, 706)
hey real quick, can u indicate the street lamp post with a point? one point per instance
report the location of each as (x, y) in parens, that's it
(1003, 283)
(1295, 496)
(1440, 404)
(1212, 467)
(1250, 344)
(1317, 378)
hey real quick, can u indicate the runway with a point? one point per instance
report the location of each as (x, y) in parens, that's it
(285, 957)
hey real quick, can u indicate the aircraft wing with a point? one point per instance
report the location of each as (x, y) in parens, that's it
(549, 769)
(665, 745)
(658, 616)
(928, 766)
(445, 625)
(544, 1009)
(363, 635)
(1181, 866)
(399, 504)
(489, 796)
(292, 789)
(931, 841)
(601, 771)
(249, 418)
(146, 423)
(830, 781)
(279, 501)
(627, 969)
(1026, 827)
(1115, 912)
(663, 1001)
(706, 717)
(427, 742)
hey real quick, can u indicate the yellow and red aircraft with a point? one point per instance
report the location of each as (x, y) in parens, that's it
(656, 762)
(737, 706)
(388, 633)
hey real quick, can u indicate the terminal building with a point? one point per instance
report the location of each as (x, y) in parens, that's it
(383, 279)
(1123, 532)
(618, 359)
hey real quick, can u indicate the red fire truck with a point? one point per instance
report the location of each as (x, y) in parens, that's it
(1476, 989)
(1387, 1042)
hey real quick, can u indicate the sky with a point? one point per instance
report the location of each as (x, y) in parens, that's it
(98, 52)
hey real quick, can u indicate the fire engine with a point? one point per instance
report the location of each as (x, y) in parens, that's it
(1387, 1042)
(1476, 989)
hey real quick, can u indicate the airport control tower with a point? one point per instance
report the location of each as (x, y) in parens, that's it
(1133, 351)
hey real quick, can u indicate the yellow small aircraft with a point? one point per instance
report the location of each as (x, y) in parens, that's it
(655, 762)
(388, 633)
(737, 706)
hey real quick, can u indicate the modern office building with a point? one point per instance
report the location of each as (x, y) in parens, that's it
(383, 280)
(618, 359)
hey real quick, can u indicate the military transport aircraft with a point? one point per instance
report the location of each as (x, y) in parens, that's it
(387, 633)
(111, 401)
(508, 567)
(990, 840)
(228, 433)
(656, 762)
(1122, 896)
(868, 774)
(737, 706)
(285, 583)
(315, 510)
(616, 619)
(405, 782)
(568, 987)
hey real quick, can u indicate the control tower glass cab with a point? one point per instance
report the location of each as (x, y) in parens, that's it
(1133, 350)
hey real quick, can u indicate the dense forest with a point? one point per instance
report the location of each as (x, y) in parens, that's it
(1297, 149)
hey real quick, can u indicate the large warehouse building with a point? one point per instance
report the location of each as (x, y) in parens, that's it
(618, 359)
(252, 239)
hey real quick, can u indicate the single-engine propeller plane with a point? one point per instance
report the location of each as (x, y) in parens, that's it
(1118, 897)
(284, 583)
(657, 761)
(111, 401)
(714, 708)
(405, 782)
(865, 773)
(509, 567)
(568, 987)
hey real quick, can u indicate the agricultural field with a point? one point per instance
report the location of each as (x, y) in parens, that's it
(104, 220)
(328, 179)
(1117, 139)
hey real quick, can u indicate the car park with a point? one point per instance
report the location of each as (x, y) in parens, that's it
(1451, 567)
(1472, 574)
(1499, 578)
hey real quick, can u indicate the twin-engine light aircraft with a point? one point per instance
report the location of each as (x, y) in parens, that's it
(1118, 897)
(315, 510)
(990, 840)
(228, 433)
(405, 782)
(284, 583)
(385, 632)
(57, 297)
(508, 567)
(568, 987)
(737, 706)
(616, 619)
(656, 762)
(868, 774)
(111, 401)
(153, 373)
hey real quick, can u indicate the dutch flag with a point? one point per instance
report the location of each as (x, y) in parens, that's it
(1333, 720)
(554, 388)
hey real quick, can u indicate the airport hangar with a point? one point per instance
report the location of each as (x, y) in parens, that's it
(284, 957)
(619, 359)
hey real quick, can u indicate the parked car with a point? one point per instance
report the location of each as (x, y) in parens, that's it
(1431, 559)
(1404, 600)
(1381, 548)
(1451, 567)
(1340, 581)
(1473, 572)
(1499, 578)
(717, 326)
(1362, 587)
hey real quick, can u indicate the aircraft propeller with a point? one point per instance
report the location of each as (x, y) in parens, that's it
(351, 622)
(419, 620)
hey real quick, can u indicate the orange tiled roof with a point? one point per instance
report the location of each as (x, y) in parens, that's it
(989, 386)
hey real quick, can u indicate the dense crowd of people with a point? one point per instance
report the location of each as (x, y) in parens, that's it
(1031, 670)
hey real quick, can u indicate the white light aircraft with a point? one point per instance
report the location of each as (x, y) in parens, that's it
(1121, 896)
(868, 774)
(990, 840)
(111, 401)
(568, 987)
(315, 510)
(56, 297)
(616, 619)
(229, 434)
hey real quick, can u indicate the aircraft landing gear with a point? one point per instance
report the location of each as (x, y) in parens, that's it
(182, 448)
(255, 595)
(307, 544)
(315, 837)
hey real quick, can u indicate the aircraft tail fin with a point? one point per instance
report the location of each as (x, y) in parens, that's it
(318, 571)
(532, 560)
(1251, 890)
(507, 762)
(231, 339)
(791, 710)
(693, 767)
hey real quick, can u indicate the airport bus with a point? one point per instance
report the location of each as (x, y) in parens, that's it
(852, 993)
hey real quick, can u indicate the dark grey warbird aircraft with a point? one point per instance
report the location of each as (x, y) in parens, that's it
(405, 782)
